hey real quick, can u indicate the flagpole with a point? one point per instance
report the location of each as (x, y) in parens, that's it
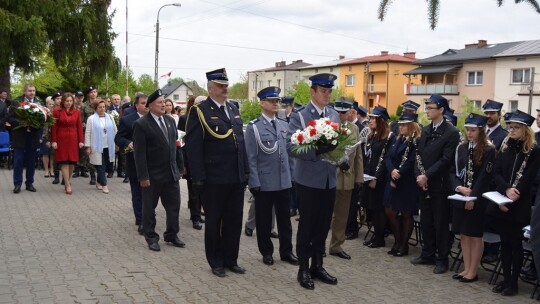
(127, 65)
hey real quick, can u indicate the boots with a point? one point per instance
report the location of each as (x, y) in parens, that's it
(317, 270)
(304, 277)
(92, 178)
(76, 172)
(56, 177)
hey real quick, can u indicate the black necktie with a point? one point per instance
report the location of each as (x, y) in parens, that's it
(488, 132)
(274, 124)
(163, 128)
(222, 108)
(322, 114)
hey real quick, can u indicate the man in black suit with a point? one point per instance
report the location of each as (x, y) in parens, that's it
(4, 104)
(436, 148)
(218, 166)
(124, 140)
(494, 130)
(155, 154)
(24, 141)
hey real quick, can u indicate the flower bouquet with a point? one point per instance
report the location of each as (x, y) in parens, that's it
(33, 116)
(115, 116)
(322, 132)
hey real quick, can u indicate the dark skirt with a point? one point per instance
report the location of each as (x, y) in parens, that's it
(44, 150)
(468, 222)
(373, 198)
(402, 198)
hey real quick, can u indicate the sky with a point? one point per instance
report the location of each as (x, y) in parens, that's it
(246, 35)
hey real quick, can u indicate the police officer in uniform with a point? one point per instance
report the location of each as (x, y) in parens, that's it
(315, 185)
(218, 165)
(494, 130)
(270, 177)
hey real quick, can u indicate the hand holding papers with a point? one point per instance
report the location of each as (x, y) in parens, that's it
(497, 198)
(459, 197)
(368, 178)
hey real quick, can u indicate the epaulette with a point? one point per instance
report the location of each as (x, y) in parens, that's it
(254, 121)
(299, 109)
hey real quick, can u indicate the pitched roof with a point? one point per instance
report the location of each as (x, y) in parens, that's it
(332, 63)
(471, 53)
(433, 69)
(171, 87)
(531, 47)
(379, 58)
(295, 65)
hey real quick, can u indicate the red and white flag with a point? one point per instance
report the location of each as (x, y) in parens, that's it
(166, 75)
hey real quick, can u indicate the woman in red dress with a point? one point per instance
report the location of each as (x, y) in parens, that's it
(67, 137)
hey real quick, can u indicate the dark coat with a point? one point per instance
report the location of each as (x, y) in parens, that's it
(405, 196)
(18, 136)
(507, 165)
(211, 159)
(373, 198)
(437, 153)
(497, 136)
(155, 157)
(67, 132)
(123, 138)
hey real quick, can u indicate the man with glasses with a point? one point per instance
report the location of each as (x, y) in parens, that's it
(315, 185)
(218, 166)
(436, 148)
(496, 134)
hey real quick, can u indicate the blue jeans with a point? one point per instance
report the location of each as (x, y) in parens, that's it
(101, 176)
(24, 157)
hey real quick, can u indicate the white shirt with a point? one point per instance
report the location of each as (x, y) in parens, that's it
(224, 105)
(319, 110)
(268, 118)
(490, 130)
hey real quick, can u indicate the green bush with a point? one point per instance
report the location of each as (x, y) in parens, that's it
(249, 110)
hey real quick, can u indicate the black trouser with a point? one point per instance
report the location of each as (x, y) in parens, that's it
(352, 221)
(435, 220)
(223, 209)
(169, 193)
(136, 198)
(265, 200)
(511, 250)
(316, 207)
(194, 201)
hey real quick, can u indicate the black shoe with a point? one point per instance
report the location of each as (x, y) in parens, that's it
(268, 260)
(351, 236)
(75, 174)
(457, 276)
(17, 189)
(63, 183)
(423, 261)
(529, 274)
(121, 174)
(392, 251)
(126, 180)
(140, 229)
(367, 242)
(490, 258)
(248, 231)
(30, 188)
(440, 268)
(197, 225)
(219, 272)
(341, 254)
(274, 235)
(499, 287)
(92, 181)
(56, 180)
(402, 252)
(293, 212)
(509, 291)
(323, 276)
(237, 269)
(110, 175)
(154, 246)
(305, 280)
(375, 244)
(176, 242)
(84, 174)
(466, 280)
(202, 220)
(290, 258)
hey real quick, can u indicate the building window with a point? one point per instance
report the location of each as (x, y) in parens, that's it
(269, 82)
(350, 68)
(279, 83)
(521, 75)
(475, 78)
(513, 104)
(349, 80)
(176, 97)
(260, 84)
(254, 85)
(477, 104)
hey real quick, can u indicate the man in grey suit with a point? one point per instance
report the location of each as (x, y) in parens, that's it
(315, 185)
(269, 176)
(155, 154)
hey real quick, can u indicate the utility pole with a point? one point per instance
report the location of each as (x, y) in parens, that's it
(531, 91)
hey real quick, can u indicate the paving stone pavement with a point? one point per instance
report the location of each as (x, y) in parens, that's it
(84, 248)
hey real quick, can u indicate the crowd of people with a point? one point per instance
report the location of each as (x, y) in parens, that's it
(394, 171)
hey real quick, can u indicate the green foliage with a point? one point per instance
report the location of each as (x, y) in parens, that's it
(466, 109)
(77, 34)
(239, 91)
(32, 117)
(302, 95)
(249, 110)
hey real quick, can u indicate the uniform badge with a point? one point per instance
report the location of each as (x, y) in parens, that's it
(214, 117)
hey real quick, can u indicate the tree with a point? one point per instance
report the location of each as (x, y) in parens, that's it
(250, 110)
(77, 34)
(239, 91)
(434, 7)
(302, 95)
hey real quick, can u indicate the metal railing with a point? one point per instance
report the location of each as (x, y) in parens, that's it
(525, 88)
(435, 88)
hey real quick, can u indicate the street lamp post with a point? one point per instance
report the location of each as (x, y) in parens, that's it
(157, 43)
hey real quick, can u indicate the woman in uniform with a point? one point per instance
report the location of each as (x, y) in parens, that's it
(378, 143)
(401, 193)
(515, 169)
(471, 176)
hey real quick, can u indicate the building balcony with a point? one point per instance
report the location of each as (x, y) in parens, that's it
(434, 88)
(525, 89)
(377, 88)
